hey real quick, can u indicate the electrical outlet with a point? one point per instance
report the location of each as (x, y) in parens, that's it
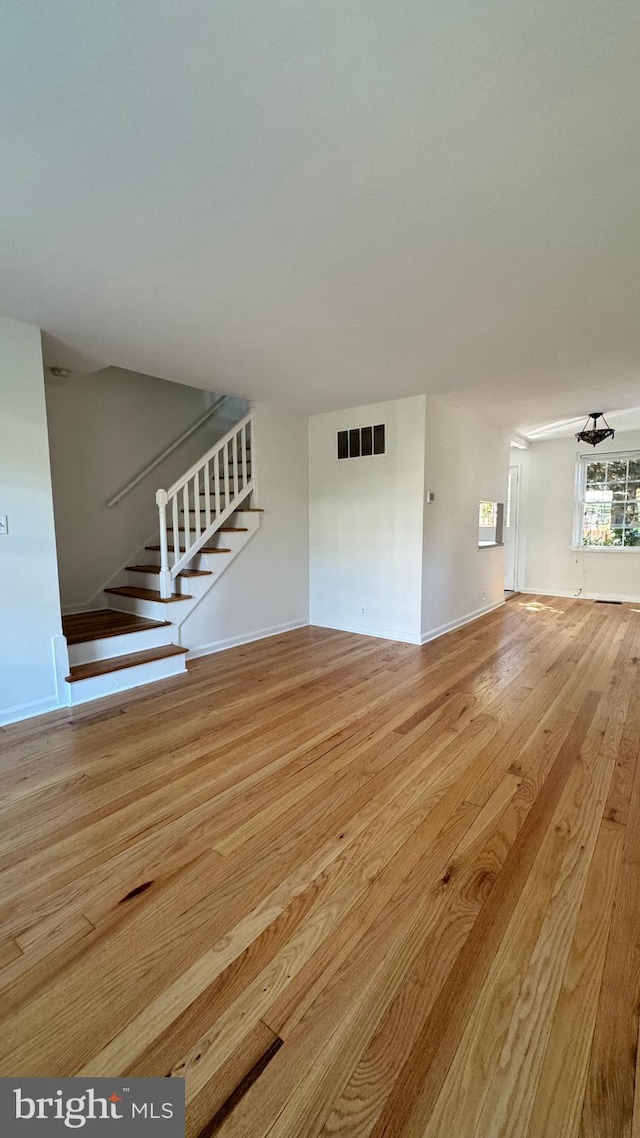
(4, 524)
(484, 596)
(363, 611)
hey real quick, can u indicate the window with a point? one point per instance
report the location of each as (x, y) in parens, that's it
(360, 442)
(490, 523)
(608, 516)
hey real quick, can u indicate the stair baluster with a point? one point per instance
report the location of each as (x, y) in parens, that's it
(235, 484)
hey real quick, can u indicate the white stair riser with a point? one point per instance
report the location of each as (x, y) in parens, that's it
(239, 518)
(221, 541)
(244, 488)
(217, 538)
(191, 586)
(150, 557)
(223, 500)
(109, 646)
(212, 491)
(84, 690)
(207, 561)
(212, 500)
(147, 581)
(154, 610)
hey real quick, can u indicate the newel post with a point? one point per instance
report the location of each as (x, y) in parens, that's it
(165, 573)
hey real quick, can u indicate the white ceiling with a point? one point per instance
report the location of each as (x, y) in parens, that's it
(325, 202)
(627, 420)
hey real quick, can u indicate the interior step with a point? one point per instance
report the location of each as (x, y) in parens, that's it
(183, 572)
(230, 529)
(212, 510)
(213, 514)
(117, 663)
(172, 549)
(78, 627)
(146, 594)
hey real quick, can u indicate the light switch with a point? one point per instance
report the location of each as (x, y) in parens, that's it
(4, 524)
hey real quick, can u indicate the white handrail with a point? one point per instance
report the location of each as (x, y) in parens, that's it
(209, 455)
(211, 490)
(168, 450)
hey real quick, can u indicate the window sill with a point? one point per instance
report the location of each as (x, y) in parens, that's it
(605, 548)
(490, 544)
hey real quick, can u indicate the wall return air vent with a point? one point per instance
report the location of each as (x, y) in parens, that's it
(362, 442)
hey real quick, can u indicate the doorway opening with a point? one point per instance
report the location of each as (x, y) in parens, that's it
(511, 533)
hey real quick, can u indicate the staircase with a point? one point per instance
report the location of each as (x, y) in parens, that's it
(204, 520)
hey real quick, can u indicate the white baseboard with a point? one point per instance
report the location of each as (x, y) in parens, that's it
(555, 593)
(21, 711)
(408, 637)
(60, 667)
(442, 629)
(237, 641)
(376, 633)
(546, 592)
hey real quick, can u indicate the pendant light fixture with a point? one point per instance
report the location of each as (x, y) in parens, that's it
(595, 434)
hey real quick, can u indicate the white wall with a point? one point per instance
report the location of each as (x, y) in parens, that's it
(103, 429)
(365, 518)
(266, 589)
(466, 461)
(29, 600)
(551, 565)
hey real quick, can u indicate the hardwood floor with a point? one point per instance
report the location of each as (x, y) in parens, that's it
(343, 886)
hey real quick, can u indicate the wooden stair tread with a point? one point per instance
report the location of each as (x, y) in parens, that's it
(233, 529)
(79, 627)
(156, 569)
(146, 594)
(117, 663)
(205, 549)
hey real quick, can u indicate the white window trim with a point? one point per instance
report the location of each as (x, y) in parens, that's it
(580, 488)
(493, 543)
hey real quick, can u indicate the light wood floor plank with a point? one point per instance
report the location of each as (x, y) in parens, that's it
(610, 1091)
(560, 1093)
(411, 1103)
(347, 888)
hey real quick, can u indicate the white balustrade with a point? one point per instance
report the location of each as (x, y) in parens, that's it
(207, 493)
